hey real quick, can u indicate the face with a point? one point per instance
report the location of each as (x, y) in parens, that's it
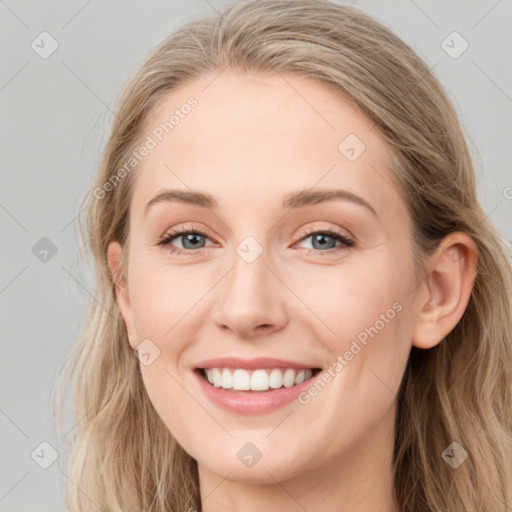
(323, 283)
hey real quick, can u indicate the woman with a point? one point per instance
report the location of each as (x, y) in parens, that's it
(272, 369)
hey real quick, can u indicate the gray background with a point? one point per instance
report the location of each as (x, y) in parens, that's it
(56, 112)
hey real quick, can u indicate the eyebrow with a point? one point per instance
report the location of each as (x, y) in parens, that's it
(291, 200)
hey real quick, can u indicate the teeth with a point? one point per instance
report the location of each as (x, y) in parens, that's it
(216, 377)
(256, 380)
(227, 380)
(259, 380)
(241, 380)
(300, 377)
(275, 379)
(289, 378)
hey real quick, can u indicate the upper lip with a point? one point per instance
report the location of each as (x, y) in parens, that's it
(259, 362)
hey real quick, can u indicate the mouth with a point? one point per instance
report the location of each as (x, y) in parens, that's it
(257, 380)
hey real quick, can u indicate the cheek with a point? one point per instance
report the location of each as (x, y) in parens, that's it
(369, 310)
(182, 415)
(352, 298)
(162, 301)
(162, 296)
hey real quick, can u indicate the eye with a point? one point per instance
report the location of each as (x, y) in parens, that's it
(190, 236)
(323, 240)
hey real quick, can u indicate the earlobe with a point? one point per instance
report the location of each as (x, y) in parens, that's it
(446, 290)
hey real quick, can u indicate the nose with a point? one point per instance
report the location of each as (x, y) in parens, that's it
(250, 300)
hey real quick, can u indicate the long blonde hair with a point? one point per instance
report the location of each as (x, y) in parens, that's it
(121, 455)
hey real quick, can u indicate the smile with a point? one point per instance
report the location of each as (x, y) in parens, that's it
(258, 379)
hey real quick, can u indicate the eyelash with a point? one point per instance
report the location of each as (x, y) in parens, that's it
(166, 240)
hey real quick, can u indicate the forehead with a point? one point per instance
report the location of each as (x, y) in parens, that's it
(258, 137)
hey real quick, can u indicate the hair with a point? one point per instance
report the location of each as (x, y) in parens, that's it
(122, 456)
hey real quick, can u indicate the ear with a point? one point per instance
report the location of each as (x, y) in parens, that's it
(114, 253)
(444, 294)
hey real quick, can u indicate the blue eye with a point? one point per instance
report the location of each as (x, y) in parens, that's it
(191, 240)
(190, 235)
(323, 238)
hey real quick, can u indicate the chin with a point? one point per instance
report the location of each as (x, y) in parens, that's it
(267, 470)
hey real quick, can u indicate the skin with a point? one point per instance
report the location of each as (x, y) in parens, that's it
(251, 140)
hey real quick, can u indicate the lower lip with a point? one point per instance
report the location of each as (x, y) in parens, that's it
(242, 402)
